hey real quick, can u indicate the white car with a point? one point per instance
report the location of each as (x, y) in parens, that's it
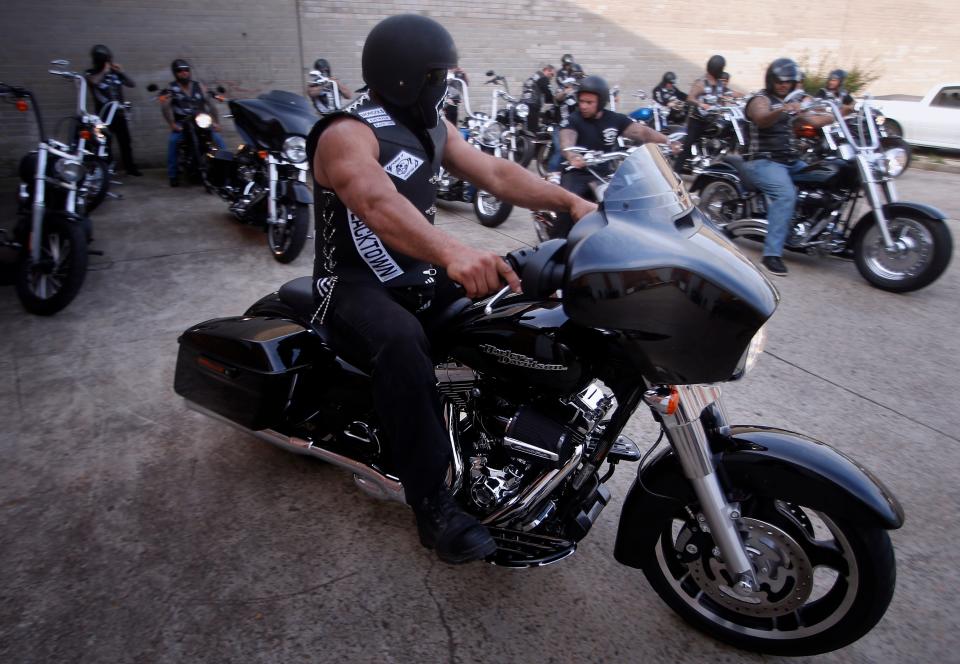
(930, 121)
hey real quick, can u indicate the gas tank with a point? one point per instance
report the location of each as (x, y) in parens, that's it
(524, 343)
(829, 172)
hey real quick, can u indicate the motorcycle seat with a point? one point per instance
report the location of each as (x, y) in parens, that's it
(740, 166)
(298, 295)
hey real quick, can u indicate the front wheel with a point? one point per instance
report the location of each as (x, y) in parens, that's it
(50, 284)
(720, 202)
(524, 152)
(921, 252)
(490, 210)
(286, 240)
(823, 582)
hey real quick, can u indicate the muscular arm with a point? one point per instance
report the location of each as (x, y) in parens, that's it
(347, 161)
(166, 106)
(508, 180)
(638, 131)
(695, 91)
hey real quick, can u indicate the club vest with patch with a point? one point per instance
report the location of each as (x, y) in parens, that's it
(359, 254)
(777, 139)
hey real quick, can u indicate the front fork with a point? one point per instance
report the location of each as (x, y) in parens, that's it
(872, 188)
(680, 408)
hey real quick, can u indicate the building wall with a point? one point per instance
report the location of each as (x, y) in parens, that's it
(253, 46)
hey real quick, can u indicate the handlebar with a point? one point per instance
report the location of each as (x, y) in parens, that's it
(541, 269)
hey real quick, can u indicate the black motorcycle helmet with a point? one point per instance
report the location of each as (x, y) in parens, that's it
(782, 70)
(405, 61)
(100, 55)
(321, 65)
(179, 65)
(597, 86)
(668, 77)
(715, 65)
(577, 71)
(839, 74)
(566, 60)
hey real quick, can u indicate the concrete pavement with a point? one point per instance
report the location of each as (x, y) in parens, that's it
(134, 530)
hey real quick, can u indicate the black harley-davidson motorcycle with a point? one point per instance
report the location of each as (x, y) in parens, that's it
(197, 138)
(897, 245)
(265, 181)
(761, 537)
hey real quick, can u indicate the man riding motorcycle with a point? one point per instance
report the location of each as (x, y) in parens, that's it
(702, 93)
(107, 79)
(836, 91)
(771, 159)
(187, 97)
(321, 95)
(593, 127)
(666, 94)
(381, 263)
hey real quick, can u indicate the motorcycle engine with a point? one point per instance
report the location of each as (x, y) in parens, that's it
(508, 446)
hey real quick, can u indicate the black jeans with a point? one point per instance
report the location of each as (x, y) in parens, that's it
(578, 182)
(120, 129)
(695, 127)
(374, 330)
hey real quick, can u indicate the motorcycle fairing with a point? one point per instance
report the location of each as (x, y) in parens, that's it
(769, 462)
(273, 116)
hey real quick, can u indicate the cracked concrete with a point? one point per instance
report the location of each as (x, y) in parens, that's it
(135, 530)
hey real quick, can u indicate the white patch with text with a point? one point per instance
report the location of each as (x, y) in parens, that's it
(371, 249)
(403, 165)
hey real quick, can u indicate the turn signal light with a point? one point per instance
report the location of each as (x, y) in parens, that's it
(806, 131)
(673, 401)
(85, 134)
(22, 105)
(262, 154)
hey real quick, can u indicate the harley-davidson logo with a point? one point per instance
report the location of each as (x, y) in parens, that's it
(518, 360)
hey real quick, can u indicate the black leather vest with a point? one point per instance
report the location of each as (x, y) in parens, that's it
(775, 140)
(358, 254)
(186, 103)
(711, 95)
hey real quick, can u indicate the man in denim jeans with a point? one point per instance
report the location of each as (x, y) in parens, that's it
(183, 99)
(772, 161)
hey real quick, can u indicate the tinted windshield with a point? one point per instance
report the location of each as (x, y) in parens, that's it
(646, 186)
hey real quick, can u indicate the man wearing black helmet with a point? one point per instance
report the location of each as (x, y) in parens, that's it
(836, 91)
(666, 94)
(380, 262)
(107, 79)
(322, 93)
(703, 95)
(186, 97)
(594, 127)
(771, 159)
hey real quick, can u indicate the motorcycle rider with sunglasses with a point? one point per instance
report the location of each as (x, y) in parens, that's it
(381, 265)
(186, 97)
(107, 79)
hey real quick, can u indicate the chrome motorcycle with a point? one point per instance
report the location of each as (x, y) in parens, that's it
(764, 538)
(898, 246)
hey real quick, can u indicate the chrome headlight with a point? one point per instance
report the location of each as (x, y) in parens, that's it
(203, 120)
(752, 354)
(522, 111)
(68, 171)
(879, 119)
(490, 134)
(897, 159)
(294, 149)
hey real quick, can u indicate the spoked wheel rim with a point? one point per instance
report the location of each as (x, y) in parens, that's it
(805, 567)
(487, 203)
(48, 276)
(912, 253)
(714, 203)
(281, 234)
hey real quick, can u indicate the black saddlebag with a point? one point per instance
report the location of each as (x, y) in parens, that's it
(245, 367)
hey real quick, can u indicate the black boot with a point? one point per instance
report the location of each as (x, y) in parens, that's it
(457, 536)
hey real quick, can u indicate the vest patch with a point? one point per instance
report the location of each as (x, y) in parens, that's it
(610, 135)
(377, 117)
(371, 249)
(403, 165)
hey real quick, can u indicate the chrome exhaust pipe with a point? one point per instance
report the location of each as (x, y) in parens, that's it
(367, 478)
(742, 227)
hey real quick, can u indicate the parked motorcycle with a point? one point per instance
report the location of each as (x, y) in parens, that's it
(897, 245)
(53, 228)
(265, 181)
(483, 133)
(763, 538)
(516, 140)
(657, 116)
(197, 140)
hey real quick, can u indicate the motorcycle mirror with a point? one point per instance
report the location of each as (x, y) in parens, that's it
(60, 63)
(221, 89)
(152, 87)
(490, 72)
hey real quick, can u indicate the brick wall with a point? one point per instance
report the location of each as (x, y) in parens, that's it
(252, 46)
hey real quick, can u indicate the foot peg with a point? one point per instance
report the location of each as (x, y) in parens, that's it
(624, 450)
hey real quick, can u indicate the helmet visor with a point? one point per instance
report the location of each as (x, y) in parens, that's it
(436, 77)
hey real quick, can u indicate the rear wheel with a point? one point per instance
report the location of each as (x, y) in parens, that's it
(50, 284)
(286, 240)
(922, 251)
(823, 583)
(719, 200)
(490, 210)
